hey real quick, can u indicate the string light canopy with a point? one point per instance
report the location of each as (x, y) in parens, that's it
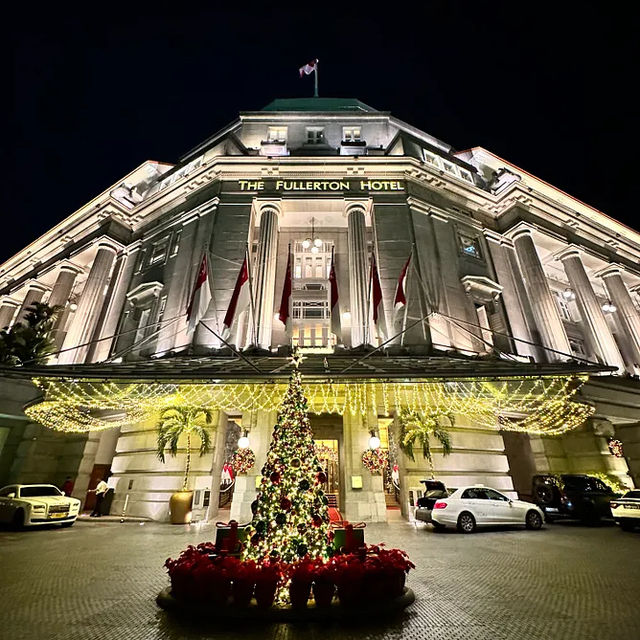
(543, 405)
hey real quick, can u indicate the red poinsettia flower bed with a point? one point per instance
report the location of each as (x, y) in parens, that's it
(372, 573)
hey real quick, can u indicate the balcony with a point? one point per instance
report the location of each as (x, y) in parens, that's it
(274, 148)
(353, 148)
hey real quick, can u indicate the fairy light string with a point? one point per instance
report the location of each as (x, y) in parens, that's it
(539, 405)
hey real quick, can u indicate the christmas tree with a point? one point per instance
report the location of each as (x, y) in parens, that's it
(290, 513)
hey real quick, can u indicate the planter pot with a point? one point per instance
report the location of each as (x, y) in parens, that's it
(219, 590)
(376, 588)
(323, 593)
(180, 507)
(266, 593)
(242, 591)
(350, 593)
(299, 592)
(395, 583)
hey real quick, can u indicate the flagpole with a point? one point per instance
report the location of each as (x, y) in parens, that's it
(406, 292)
(251, 302)
(367, 325)
(315, 83)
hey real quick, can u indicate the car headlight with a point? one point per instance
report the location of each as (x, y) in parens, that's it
(38, 507)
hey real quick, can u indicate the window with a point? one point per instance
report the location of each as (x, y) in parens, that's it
(142, 325)
(470, 246)
(351, 134)
(140, 261)
(159, 251)
(563, 307)
(277, 134)
(465, 175)
(39, 490)
(305, 309)
(577, 347)
(315, 135)
(494, 495)
(475, 494)
(450, 167)
(6, 491)
(161, 309)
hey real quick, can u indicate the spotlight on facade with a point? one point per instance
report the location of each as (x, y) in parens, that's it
(346, 316)
(569, 294)
(374, 441)
(243, 441)
(609, 307)
(73, 306)
(306, 243)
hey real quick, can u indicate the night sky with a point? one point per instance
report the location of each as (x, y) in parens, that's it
(549, 87)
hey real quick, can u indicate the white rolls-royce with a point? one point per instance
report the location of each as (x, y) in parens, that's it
(28, 505)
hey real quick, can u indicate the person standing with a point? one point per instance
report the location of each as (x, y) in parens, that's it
(100, 491)
(67, 487)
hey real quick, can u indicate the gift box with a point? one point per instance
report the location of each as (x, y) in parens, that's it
(230, 537)
(348, 537)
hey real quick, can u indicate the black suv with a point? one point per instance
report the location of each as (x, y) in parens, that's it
(576, 496)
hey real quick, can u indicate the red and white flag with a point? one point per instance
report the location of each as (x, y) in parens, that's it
(200, 297)
(336, 327)
(240, 298)
(377, 308)
(284, 315)
(400, 299)
(308, 68)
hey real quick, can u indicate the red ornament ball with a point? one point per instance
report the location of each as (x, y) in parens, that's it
(317, 520)
(322, 477)
(285, 503)
(275, 477)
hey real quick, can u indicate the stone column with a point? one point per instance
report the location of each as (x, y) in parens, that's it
(626, 311)
(597, 329)
(543, 306)
(356, 235)
(265, 273)
(34, 294)
(88, 312)
(60, 298)
(118, 289)
(7, 311)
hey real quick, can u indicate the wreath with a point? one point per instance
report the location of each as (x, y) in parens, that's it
(615, 448)
(375, 460)
(242, 460)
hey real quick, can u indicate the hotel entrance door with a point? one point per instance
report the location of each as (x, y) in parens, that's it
(327, 452)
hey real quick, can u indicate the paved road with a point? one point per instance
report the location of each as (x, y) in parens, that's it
(97, 581)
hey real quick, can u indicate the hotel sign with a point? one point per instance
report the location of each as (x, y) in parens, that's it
(322, 185)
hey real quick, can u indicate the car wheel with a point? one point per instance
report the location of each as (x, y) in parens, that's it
(466, 522)
(544, 494)
(18, 519)
(626, 525)
(533, 520)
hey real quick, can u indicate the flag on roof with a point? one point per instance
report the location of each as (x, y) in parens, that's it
(308, 68)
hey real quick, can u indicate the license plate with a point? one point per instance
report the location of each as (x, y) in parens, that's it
(58, 515)
(631, 506)
(551, 509)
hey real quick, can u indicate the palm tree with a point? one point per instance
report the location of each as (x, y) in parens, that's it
(419, 427)
(179, 420)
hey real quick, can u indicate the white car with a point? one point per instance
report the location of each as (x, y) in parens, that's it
(626, 510)
(469, 507)
(27, 505)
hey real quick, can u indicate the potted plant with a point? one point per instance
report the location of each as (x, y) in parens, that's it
(323, 584)
(243, 582)
(267, 578)
(175, 422)
(349, 572)
(301, 577)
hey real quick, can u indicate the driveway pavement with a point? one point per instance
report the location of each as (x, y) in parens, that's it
(98, 581)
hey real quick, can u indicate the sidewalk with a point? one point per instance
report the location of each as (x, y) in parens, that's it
(86, 517)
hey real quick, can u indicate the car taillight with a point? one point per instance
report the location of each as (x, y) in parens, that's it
(440, 505)
(614, 505)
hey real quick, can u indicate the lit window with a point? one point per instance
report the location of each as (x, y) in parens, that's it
(297, 270)
(308, 309)
(277, 134)
(351, 134)
(470, 246)
(448, 167)
(465, 175)
(315, 135)
(432, 159)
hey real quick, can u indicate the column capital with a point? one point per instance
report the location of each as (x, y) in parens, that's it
(520, 230)
(111, 246)
(36, 286)
(10, 302)
(571, 251)
(609, 270)
(355, 205)
(497, 238)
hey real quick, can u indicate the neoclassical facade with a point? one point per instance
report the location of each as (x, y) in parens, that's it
(508, 275)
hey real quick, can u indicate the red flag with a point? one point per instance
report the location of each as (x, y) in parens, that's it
(336, 327)
(308, 68)
(376, 301)
(200, 297)
(400, 299)
(240, 298)
(284, 315)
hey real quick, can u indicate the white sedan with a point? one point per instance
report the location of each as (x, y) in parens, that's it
(469, 507)
(27, 505)
(626, 510)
